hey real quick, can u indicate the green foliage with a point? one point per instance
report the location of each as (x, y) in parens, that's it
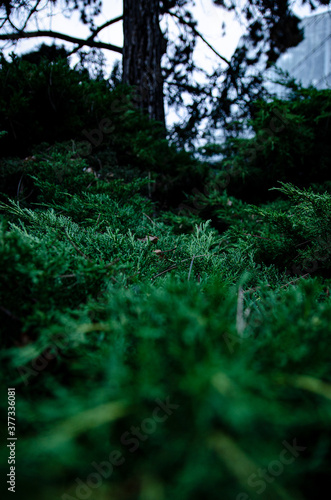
(111, 308)
(290, 144)
(39, 102)
(238, 393)
(49, 102)
(296, 237)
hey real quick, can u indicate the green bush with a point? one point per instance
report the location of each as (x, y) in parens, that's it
(290, 144)
(48, 102)
(40, 103)
(296, 237)
(190, 347)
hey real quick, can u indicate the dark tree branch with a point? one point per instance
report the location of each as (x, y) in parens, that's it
(11, 23)
(95, 32)
(105, 25)
(197, 33)
(61, 36)
(32, 11)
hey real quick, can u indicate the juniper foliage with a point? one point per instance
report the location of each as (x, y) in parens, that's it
(191, 349)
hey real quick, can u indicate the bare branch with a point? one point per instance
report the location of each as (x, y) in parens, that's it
(11, 23)
(61, 36)
(76, 247)
(196, 32)
(165, 271)
(105, 25)
(32, 11)
(95, 32)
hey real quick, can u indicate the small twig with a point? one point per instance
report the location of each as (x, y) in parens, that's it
(10, 314)
(112, 263)
(171, 250)
(253, 289)
(256, 236)
(176, 265)
(240, 322)
(149, 186)
(189, 273)
(132, 276)
(94, 180)
(26, 197)
(75, 275)
(297, 279)
(152, 221)
(286, 284)
(76, 247)
(303, 243)
(19, 188)
(165, 271)
(196, 257)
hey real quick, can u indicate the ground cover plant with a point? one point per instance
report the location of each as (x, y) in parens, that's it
(165, 341)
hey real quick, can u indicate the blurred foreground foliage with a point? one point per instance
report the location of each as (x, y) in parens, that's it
(151, 318)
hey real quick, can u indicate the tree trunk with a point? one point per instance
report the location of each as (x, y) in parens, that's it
(142, 53)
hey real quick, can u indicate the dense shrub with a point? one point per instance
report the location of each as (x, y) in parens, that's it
(40, 102)
(111, 309)
(295, 237)
(290, 144)
(49, 102)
